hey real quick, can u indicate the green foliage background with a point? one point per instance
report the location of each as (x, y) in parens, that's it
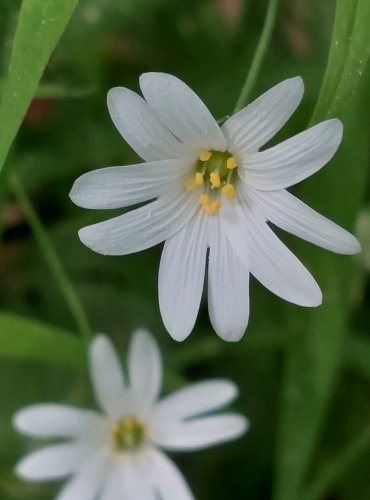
(304, 375)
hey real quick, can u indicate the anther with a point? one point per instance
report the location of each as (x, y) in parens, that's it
(231, 163)
(199, 179)
(204, 200)
(215, 206)
(215, 179)
(189, 183)
(229, 191)
(204, 155)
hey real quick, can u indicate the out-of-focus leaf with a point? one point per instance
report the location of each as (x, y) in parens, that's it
(338, 465)
(56, 91)
(25, 338)
(358, 354)
(39, 28)
(312, 363)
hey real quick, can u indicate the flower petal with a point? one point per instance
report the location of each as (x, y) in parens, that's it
(53, 420)
(107, 376)
(294, 159)
(53, 462)
(291, 214)
(145, 367)
(88, 480)
(141, 228)
(182, 111)
(278, 269)
(254, 125)
(168, 481)
(199, 433)
(228, 287)
(116, 187)
(181, 277)
(128, 480)
(196, 399)
(140, 127)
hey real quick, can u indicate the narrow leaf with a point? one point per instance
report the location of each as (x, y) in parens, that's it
(26, 338)
(40, 25)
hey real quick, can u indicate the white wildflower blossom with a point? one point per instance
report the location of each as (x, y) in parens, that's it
(116, 454)
(211, 192)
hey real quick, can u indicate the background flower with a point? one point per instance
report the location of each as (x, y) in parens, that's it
(115, 454)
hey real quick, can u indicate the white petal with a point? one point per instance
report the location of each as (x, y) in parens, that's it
(128, 481)
(228, 287)
(140, 127)
(254, 125)
(199, 433)
(181, 110)
(168, 481)
(52, 420)
(294, 159)
(116, 187)
(141, 228)
(278, 269)
(53, 462)
(196, 399)
(294, 216)
(145, 367)
(181, 277)
(106, 375)
(88, 480)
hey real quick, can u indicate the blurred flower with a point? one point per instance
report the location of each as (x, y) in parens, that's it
(214, 193)
(115, 455)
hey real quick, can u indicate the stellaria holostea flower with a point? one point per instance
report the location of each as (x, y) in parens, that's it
(214, 193)
(115, 454)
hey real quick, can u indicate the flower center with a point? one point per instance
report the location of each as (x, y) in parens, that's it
(128, 434)
(216, 173)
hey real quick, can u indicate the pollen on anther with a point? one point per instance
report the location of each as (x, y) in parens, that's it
(189, 183)
(231, 163)
(215, 206)
(215, 179)
(199, 180)
(229, 191)
(204, 200)
(204, 155)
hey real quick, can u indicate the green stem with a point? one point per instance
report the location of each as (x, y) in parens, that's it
(342, 462)
(259, 55)
(51, 258)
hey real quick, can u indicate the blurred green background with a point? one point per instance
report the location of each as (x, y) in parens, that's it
(304, 376)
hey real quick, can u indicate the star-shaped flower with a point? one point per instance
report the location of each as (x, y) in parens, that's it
(115, 454)
(211, 193)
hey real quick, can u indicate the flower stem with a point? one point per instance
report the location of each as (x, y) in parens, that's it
(259, 55)
(51, 258)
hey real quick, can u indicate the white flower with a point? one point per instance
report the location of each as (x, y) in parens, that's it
(214, 193)
(115, 455)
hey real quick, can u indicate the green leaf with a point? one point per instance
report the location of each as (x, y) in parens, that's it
(358, 354)
(349, 53)
(40, 25)
(26, 338)
(57, 91)
(314, 360)
(338, 465)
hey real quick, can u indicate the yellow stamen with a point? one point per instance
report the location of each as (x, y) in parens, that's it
(199, 179)
(231, 163)
(204, 200)
(189, 183)
(204, 155)
(215, 179)
(229, 191)
(215, 206)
